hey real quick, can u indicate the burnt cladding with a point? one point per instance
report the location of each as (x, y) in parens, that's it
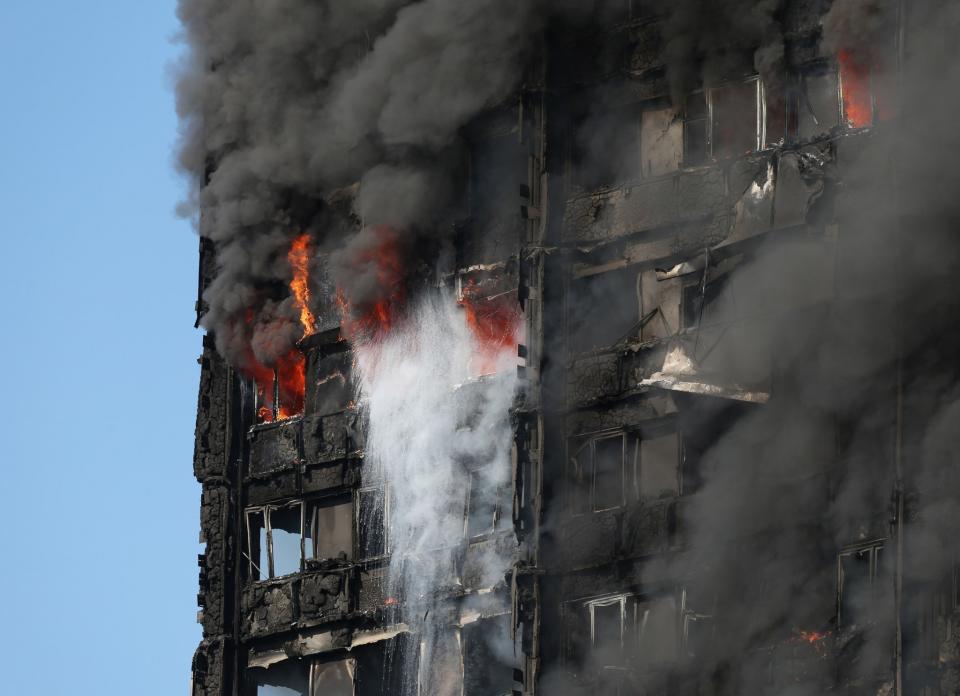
(566, 348)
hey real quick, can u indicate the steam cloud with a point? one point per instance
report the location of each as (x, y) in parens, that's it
(430, 426)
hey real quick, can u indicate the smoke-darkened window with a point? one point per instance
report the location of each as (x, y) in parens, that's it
(735, 119)
(858, 590)
(818, 107)
(698, 622)
(614, 638)
(328, 532)
(610, 470)
(696, 126)
(372, 514)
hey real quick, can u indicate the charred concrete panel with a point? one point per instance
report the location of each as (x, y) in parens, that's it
(210, 448)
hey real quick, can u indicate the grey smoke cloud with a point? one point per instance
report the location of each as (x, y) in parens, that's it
(296, 99)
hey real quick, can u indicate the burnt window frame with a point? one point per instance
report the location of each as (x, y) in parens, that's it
(874, 547)
(630, 625)
(266, 511)
(577, 445)
(631, 464)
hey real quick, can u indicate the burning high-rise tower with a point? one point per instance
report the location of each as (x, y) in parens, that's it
(576, 347)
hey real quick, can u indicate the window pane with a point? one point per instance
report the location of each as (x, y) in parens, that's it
(855, 588)
(734, 109)
(332, 679)
(487, 657)
(608, 632)
(659, 459)
(287, 678)
(482, 505)
(285, 531)
(657, 630)
(333, 527)
(371, 516)
(819, 109)
(257, 553)
(608, 473)
(616, 292)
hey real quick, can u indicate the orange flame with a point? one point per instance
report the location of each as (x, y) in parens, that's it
(855, 78)
(371, 320)
(494, 322)
(299, 258)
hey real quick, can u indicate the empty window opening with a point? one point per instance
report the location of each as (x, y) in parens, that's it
(286, 524)
(735, 118)
(858, 591)
(280, 538)
(617, 292)
(441, 664)
(287, 678)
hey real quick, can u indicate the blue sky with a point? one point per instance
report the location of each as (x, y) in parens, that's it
(99, 576)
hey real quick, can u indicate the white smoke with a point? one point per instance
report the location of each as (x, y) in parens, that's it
(430, 423)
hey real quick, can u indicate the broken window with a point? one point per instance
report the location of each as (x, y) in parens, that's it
(608, 634)
(617, 291)
(372, 515)
(661, 142)
(281, 537)
(332, 678)
(328, 532)
(287, 678)
(857, 587)
(735, 118)
(855, 89)
(482, 504)
(285, 538)
(818, 107)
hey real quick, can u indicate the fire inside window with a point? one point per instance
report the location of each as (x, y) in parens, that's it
(282, 538)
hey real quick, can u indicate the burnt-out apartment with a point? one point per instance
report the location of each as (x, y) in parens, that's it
(602, 347)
